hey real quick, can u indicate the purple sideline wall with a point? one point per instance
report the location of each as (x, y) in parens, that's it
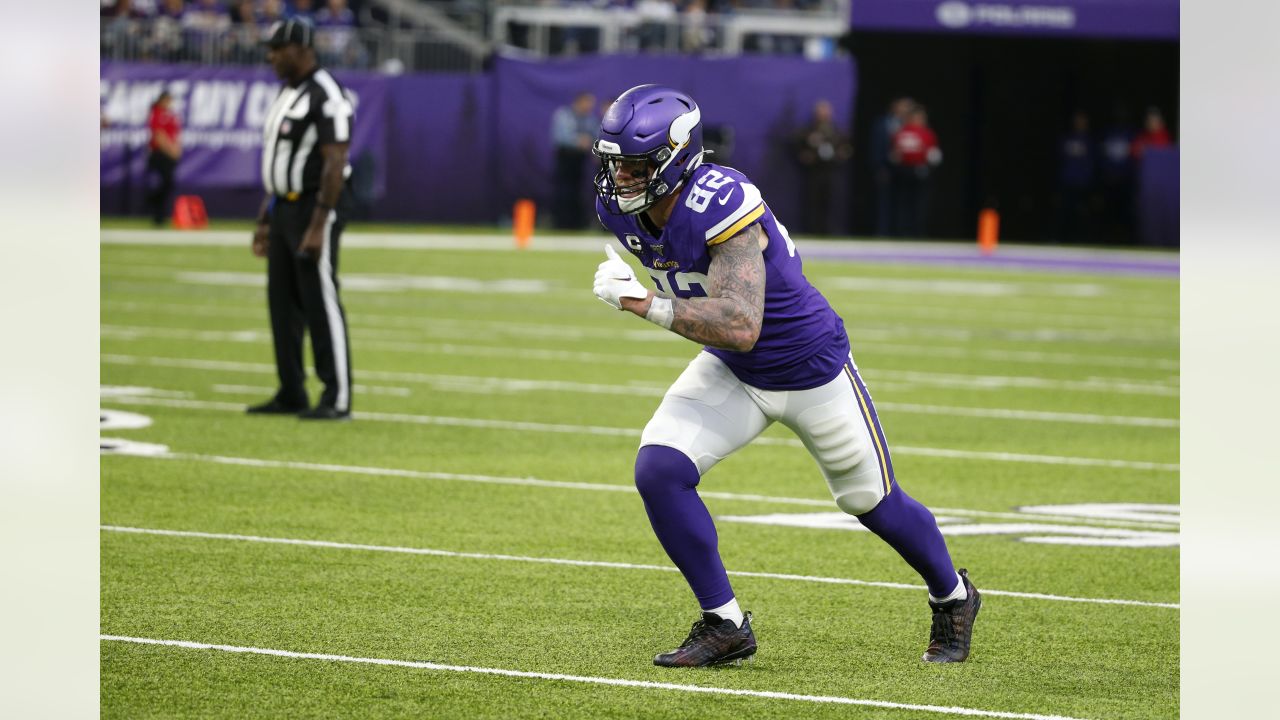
(457, 148)
(441, 129)
(1159, 198)
(1129, 19)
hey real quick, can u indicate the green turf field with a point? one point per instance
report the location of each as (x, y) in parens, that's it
(470, 546)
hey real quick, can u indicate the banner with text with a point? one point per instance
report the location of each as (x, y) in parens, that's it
(1132, 19)
(221, 111)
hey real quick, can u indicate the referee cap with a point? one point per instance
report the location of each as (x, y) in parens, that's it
(290, 32)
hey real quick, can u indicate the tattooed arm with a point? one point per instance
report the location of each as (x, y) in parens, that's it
(730, 316)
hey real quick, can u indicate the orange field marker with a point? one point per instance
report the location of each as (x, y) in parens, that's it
(523, 216)
(988, 231)
(189, 214)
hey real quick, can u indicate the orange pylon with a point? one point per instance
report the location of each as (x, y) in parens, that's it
(189, 214)
(988, 231)
(523, 216)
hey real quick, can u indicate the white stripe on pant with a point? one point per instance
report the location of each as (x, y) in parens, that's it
(337, 326)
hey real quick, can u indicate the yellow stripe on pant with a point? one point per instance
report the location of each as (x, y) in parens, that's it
(871, 428)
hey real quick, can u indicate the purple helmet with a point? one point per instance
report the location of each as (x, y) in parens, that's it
(651, 137)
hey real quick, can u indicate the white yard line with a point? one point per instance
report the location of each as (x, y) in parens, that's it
(603, 564)
(486, 385)
(468, 330)
(1125, 386)
(255, 389)
(613, 487)
(997, 313)
(490, 424)
(587, 679)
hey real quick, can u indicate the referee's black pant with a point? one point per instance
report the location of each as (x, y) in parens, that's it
(303, 293)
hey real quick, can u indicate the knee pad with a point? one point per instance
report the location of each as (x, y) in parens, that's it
(857, 502)
(661, 469)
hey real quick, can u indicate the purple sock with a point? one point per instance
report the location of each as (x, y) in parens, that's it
(910, 529)
(667, 480)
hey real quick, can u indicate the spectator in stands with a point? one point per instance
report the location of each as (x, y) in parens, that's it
(336, 35)
(245, 34)
(120, 28)
(573, 129)
(165, 148)
(914, 155)
(882, 133)
(204, 24)
(1116, 175)
(166, 31)
(208, 16)
(696, 35)
(304, 10)
(1077, 158)
(656, 19)
(822, 149)
(781, 44)
(272, 11)
(1154, 134)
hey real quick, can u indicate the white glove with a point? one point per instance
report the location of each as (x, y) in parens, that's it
(615, 280)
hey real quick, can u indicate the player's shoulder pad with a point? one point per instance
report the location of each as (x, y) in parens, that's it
(734, 205)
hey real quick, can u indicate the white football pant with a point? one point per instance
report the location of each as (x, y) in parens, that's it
(709, 413)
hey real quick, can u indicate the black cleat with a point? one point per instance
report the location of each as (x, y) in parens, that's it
(712, 641)
(275, 407)
(953, 625)
(325, 412)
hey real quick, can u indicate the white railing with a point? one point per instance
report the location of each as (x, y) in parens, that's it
(404, 44)
(386, 49)
(657, 27)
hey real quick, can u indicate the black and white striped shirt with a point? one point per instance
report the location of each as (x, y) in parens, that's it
(316, 112)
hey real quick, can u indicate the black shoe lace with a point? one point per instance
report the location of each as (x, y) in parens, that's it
(699, 629)
(942, 631)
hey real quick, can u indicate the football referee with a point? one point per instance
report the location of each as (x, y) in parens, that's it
(304, 172)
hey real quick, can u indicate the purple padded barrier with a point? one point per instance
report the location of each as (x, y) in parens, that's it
(440, 169)
(1158, 197)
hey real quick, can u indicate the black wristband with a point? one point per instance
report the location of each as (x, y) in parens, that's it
(322, 206)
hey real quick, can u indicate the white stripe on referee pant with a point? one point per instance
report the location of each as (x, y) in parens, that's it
(300, 158)
(337, 327)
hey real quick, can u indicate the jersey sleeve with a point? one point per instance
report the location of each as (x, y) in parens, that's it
(731, 204)
(335, 113)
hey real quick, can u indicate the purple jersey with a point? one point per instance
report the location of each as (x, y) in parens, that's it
(802, 341)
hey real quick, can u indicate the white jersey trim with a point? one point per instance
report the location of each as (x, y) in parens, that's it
(750, 201)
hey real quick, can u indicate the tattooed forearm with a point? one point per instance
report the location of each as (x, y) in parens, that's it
(730, 316)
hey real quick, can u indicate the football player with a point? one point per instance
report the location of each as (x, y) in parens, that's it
(728, 276)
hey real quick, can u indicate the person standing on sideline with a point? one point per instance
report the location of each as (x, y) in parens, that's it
(915, 153)
(1077, 159)
(823, 150)
(304, 170)
(882, 134)
(165, 148)
(573, 128)
(729, 277)
(1154, 134)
